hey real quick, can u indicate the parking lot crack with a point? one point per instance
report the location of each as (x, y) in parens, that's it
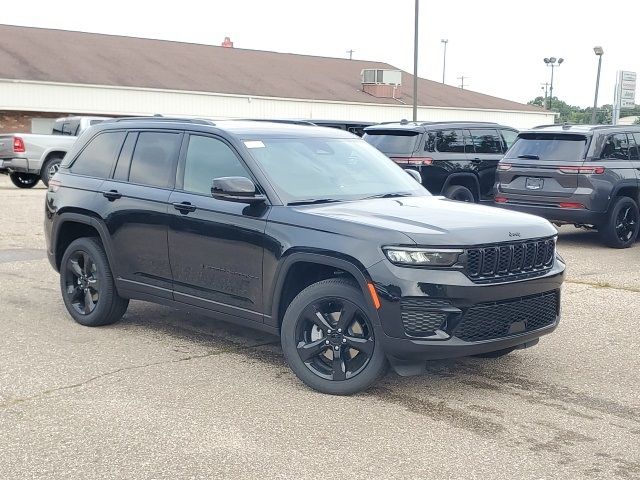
(91, 380)
(604, 285)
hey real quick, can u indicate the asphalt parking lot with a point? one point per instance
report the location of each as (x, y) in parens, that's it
(167, 394)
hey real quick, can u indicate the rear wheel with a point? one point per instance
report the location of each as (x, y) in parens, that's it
(24, 180)
(87, 285)
(621, 228)
(329, 341)
(460, 194)
(50, 168)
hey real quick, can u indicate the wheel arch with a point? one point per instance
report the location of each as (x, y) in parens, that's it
(627, 189)
(49, 155)
(71, 226)
(468, 180)
(323, 264)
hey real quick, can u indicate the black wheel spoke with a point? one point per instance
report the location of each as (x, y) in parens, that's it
(364, 345)
(86, 264)
(75, 267)
(309, 350)
(338, 365)
(319, 318)
(347, 315)
(89, 304)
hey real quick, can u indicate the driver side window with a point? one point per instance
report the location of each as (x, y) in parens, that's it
(208, 158)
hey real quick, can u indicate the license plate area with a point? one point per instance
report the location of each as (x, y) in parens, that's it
(533, 183)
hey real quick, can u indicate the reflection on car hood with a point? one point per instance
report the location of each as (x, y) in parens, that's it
(438, 221)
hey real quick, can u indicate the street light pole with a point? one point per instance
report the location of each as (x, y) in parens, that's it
(444, 58)
(599, 52)
(551, 62)
(415, 64)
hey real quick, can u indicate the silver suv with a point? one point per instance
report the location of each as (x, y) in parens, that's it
(584, 175)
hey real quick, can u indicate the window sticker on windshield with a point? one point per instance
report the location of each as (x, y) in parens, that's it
(254, 144)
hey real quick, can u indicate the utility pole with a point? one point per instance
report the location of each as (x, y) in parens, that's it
(444, 41)
(415, 64)
(462, 81)
(545, 87)
(350, 52)
(599, 52)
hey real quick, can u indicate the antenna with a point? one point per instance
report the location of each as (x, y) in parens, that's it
(462, 79)
(350, 52)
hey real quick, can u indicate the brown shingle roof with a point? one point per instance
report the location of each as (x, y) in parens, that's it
(87, 58)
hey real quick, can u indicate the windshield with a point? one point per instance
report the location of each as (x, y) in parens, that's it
(309, 168)
(392, 141)
(549, 146)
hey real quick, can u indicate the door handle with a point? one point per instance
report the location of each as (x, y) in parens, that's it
(111, 195)
(184, 207)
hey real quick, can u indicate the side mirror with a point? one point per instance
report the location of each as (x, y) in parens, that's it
(414, 174)
(236, 189)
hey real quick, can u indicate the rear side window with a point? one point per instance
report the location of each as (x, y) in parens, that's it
(509, 137)
(393, 141)
(154, 159)
(486, 141)
(208, 158)
(66, 127)
(98, 156)
(616, 147)
(635, 151)
(549, 146)
(450, 141)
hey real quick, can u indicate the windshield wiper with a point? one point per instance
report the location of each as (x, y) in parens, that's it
(529, 157)
(311, 201)
(389, 195)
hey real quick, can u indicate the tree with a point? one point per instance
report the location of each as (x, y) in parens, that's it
(575, 115)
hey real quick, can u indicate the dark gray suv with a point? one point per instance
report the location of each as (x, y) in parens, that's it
(584, 175)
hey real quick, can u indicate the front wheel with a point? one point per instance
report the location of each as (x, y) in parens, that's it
(329, 341)
(621, 228)
(24, 180)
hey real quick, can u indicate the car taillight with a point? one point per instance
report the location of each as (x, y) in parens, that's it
(413, 160)
(503, 167)
(54, 185)
(500, 199)
(590, 170)
(18, 145)
(570, 205)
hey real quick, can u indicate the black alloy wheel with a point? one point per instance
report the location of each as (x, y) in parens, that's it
(460, 194)
(82, 286)
(620, 230)
(334, 339)
(626, 223)
(329, 340)
(24, 180)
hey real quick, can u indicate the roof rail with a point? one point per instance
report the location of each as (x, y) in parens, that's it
(277, 120)
(199, 121)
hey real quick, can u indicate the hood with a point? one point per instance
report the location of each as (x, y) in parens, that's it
(438, 221)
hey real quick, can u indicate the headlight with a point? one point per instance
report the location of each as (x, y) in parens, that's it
(437, 257)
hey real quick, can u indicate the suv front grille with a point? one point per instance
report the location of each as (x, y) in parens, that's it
(487, 321)
(507, 261)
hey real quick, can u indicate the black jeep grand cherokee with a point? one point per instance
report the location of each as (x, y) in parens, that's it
(305, 232)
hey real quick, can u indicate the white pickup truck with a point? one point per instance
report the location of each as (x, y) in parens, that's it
(28, 158)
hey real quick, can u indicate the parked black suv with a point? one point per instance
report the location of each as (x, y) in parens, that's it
(456, 159)
(305, 232)
(577, 174)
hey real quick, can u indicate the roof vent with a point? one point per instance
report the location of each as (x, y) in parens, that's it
(381, 83)
(227, 43)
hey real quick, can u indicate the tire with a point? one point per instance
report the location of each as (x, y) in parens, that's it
(623, 222)
(460, 194)
(24, 180)
(87, 285)
(343, 305)
(49, 169)
(496, 354)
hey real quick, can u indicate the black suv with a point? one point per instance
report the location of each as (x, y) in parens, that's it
(456, 159)
(583, 175)
(304, 232)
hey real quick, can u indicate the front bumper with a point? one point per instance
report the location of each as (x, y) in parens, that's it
(457, 295)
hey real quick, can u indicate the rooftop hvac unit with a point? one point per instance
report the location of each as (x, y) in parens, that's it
(383, 77)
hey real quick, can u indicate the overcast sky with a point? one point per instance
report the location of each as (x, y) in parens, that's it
(498, 44)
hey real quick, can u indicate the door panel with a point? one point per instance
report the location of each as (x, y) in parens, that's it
(216, 246)
(488, 147)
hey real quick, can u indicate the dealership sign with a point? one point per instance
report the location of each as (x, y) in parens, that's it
(626, 89)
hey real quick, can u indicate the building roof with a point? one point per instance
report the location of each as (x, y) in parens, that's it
(47, 55)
